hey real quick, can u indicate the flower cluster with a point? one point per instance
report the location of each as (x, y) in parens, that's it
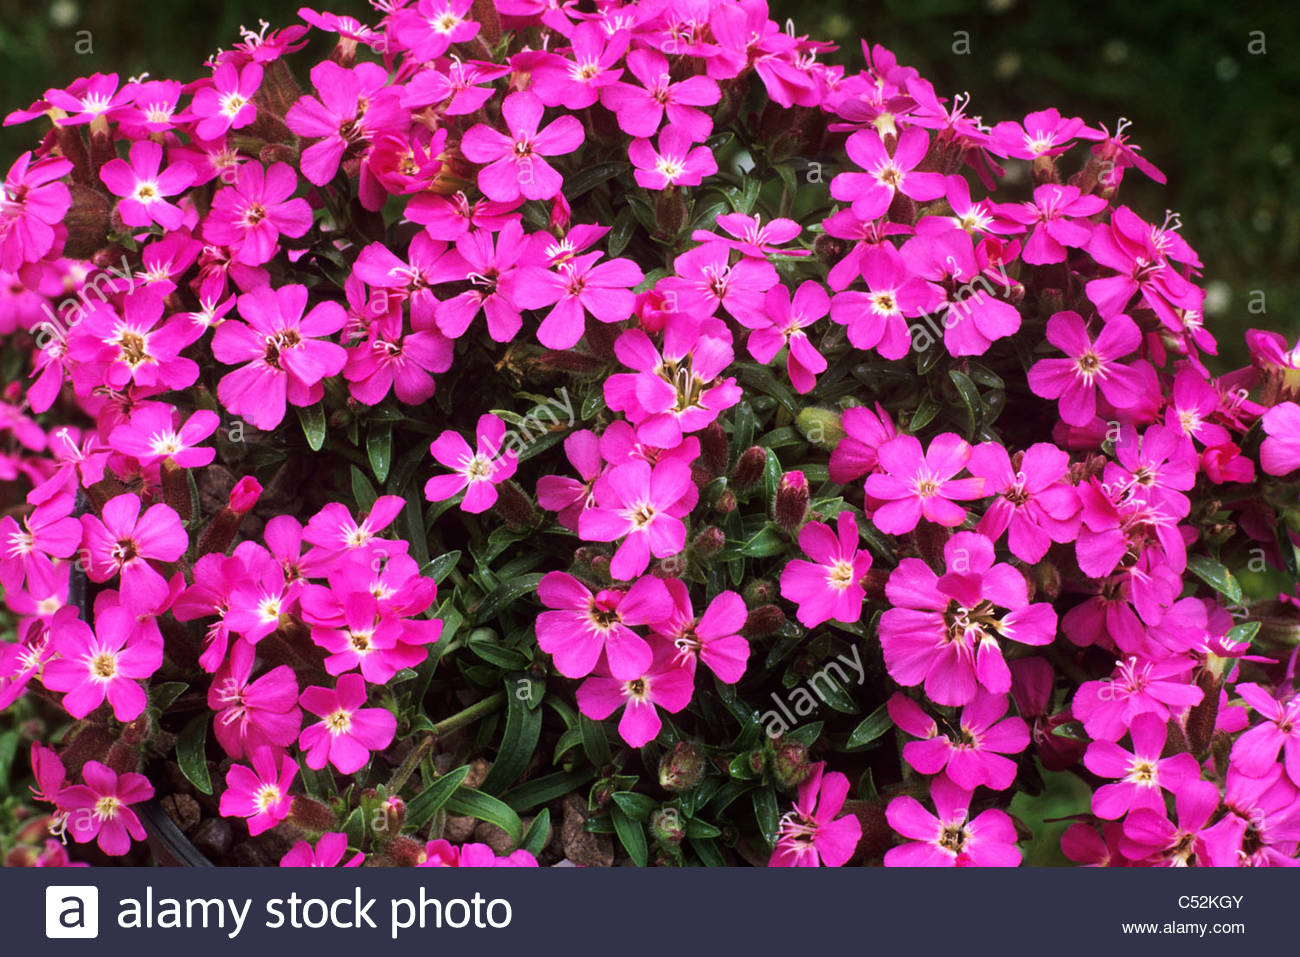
(275, 331)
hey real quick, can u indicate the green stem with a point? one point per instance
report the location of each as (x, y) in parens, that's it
(446, 726)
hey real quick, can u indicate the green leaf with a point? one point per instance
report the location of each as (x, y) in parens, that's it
(379, 449)
(421, 808)
(191, 756)
(1246, 631)
(362, 491)
(631, 835)
(591, 177)
(869, 728)
(440, 567)
(545, 789)
(523, 728)
(355, 827)
(701, 829)
(743, 430)
(707, 852)
(538, 833)
(767, 814)
(769, 540)
(1216, 576)
(504, 595)
(8, 751)
(621, 234)
(924, 414)
(162, 696)
(636, 806)
(484, 807)
(494, 653)
(312, 418)
(594, 741)
(970, 397)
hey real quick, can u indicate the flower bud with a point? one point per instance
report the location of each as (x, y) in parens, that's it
(666, 826)
(682, 768)
(749, 468)
(311, 815)
(87, 221)
(790, 764)
(176, 489)
(1204, 716)
(725, 503)
(763, 621)
(792, 494)
(713, 450)
(708, 542)
(761, 591)
(245, 495)
(670, 212)
(821, 427)
(405, 852)
(514, 505)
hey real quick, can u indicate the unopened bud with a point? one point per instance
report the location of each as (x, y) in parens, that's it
(311, 815)
(725, 503)
(713, 450)
(821, 427)
(709, 542)
(763, 621)
(749, 468)
(682, 768)
(514, 505)
(245, 495)
(791, 505)
(790, 764)
(760, 591)
(405, 852)
(666, 826)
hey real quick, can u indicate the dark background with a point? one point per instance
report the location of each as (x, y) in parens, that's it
(1223, 123)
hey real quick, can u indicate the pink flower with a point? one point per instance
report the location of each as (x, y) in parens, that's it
(1090, 366)
(475, 471)
(283, 355)
(1256, 750)
(1035, 500)
(100, 809)
(442, 853)
(641, 109)
(1108, 708)
(250, 216)
(354, 105)
(872, 192)
(27, 550)
(492, 269)
(1142, 772)
(117, 350)
(1280, 452)
(586, 631)
(328, 852)
(714, 638)
(1052, 214)
(106, 663)
(226, 104)
(865, 432)
(262, 793)
(705, 278)
(32, 204)
(335, 532)
(430, 27)
(676, 161)
(124, 541)
(667, 683)
(1150, 835)
(143, 189)
(152, 436)
(950, 838)
(971, 753)
(946, 631)
(515, 164)
(1044, 133)
(393, 360)
(578, 286)
(877, 319)
(829, 586)
(913, 486)
(568, 496)
(812, 835)
(253, 714)
(785, 322)
(576, 83)
(645, 508)
(347, 732)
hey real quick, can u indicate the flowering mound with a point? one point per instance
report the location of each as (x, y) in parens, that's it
(625, 419)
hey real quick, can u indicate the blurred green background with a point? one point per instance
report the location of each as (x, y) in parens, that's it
(1212, 89)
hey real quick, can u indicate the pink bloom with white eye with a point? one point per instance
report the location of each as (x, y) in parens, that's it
(705, 278)
(812, 835)
(475, 471)
(1150, 835)
(492, 268)
(226, 104)
(22, 661)
(32, 204)
(391, 359)
(878, 318)
(753, 237)
(430, 27)
(1044, 133)
(980, 217)
(675, 161)
(575, 287)
(283, 355)
(1053, 214)
(946, 631)
(94, 665)
(577, 80)
(334, 531)
(829, 586)
(1143, 774)
(429, 262)
(1153, 470)
(1091, 366)
(1280, 452)
(347, 731)
(1262, 822)
(250, 215)
(1108, 707)
(252, 714)
(1257, 749)
(714, 638)
(912, 485)
(117, 350)
(261, 793)
(568, 496)
(641, 108)
(354, 105)
(950, 837)
(152, 435)
(100, 809)
(515, 164)
(328, 852)
(667, 683)
(786, 320)
(644, 507)
(93, 99)
(215, 578)
(972, 752)
(461, 87)
(365, 640)
(584, 631)
(871, 192)
(143, 186)
(261, 598)
(864, 433)
(1193, 402)
(27, 550)
(1036, 501)
(123, 542)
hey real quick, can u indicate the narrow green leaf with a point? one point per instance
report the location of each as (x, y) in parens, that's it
(362, 491)
(484, 807)
(702, 829)
(312, 418)
(621, 234)
(591, 177)
(421, 808)
(1216, 575)
(545, 789)
(504, 595)
(379, 449)
(1246, 631)
(869, 729)
(636, 806)
(631, 835)
(970, 398)
(767, 814)
(162, 696)
(538, 833)
(191, 756)
(768, 541)
(355, 827)
(594, 741)
(440, 567)
(518, 742)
